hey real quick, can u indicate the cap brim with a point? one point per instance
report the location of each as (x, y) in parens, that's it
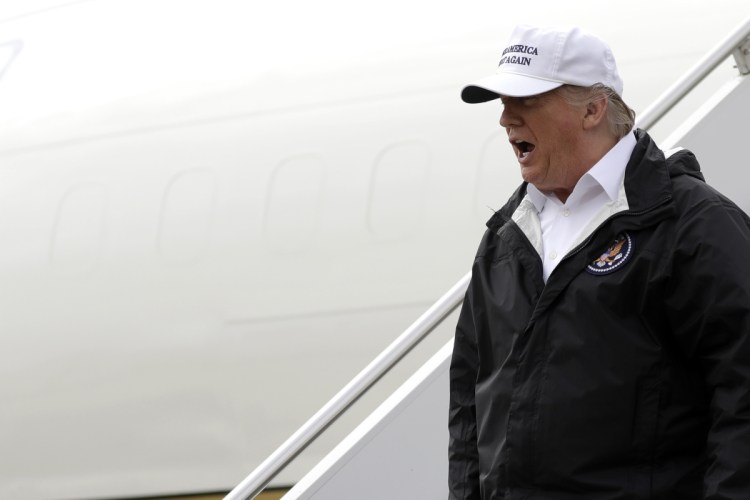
(507, 84)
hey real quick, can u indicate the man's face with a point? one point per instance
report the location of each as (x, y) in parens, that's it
(545, 133)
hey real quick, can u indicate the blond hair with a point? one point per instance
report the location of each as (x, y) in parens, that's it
(620, 117)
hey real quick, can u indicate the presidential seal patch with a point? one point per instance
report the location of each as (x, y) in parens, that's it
(616, 256)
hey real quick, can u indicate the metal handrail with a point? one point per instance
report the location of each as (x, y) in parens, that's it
(262, 475)
(253, 484)
(694, 76)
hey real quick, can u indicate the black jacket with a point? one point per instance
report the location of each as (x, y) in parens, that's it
(626, 375)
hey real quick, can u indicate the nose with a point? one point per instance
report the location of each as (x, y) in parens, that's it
(509, 118)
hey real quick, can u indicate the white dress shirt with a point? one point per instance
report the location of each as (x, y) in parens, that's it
(598, 194)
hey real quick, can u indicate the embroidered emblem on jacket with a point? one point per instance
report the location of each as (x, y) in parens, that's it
(614, 257)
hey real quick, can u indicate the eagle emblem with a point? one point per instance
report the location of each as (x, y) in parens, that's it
(618, 253)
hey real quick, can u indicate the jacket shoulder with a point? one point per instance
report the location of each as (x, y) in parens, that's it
(690, 191)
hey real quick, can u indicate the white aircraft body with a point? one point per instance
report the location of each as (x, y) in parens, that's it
(214, 213)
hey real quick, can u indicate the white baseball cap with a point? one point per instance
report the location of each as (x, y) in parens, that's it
(538, 60)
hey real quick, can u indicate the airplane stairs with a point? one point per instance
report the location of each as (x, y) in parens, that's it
(402, 446)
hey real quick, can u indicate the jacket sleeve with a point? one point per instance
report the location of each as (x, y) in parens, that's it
(709, 310)
(463, 461)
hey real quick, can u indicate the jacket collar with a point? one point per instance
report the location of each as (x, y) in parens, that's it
(647, 180)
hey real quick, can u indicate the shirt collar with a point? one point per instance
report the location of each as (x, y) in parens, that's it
(608, 172)
(537, 197)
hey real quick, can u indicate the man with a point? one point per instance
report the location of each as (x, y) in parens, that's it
(603, 348)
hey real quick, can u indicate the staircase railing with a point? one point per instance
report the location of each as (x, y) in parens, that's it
(736, 43)
(253, 484)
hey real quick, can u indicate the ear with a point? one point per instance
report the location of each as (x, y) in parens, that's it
(595, 114)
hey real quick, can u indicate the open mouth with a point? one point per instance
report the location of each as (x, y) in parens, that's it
(523, 148)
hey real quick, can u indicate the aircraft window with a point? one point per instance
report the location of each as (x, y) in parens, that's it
(8, 52)
(187, 215)
(397, 190)
(78, 234)
(294, 197)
